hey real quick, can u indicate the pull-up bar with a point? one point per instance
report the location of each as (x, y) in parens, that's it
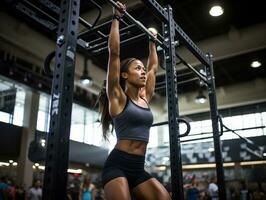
(140, 25)
(202, 77)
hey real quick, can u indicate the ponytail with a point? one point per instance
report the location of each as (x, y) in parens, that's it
(106, 119)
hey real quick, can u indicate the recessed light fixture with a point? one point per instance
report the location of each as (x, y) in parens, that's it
(255, 64)
(85, 78)
(216, 11)
(200, 98)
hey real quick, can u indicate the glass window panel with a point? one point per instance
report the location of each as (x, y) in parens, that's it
(43, 113)
(41, 121)
(77, 132)
(4, 117)
(19, 107)
(195, 128)
(236, 122)
(258, 119)
(249, 121)
(248, 133)
(165, 131)
(206, 126)
(153, 140)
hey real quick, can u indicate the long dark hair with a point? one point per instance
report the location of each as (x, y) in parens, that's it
(106, 119)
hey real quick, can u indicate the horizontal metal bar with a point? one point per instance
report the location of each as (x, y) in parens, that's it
(203, 78)
(33, 15)
(89, 26)
(103, 41)
(243, 129)
(161, 13)
(195, 139)
(229, 130)
(96, 28)
(159, 123)
(139, 24)
(39, 10)
(179, 83)
(98, 45)
(56, 9)
(121, 43)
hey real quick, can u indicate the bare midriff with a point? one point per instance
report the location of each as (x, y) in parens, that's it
(132, 146)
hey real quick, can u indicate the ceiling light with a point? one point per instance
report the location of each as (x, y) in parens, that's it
(255, 64)
(216, 11)
(85, 79)
(201, 98)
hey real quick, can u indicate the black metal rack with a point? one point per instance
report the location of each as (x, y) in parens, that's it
(68, 39)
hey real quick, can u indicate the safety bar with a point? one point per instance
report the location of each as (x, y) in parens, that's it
(179, 83)
(121, 43)
(123, 32)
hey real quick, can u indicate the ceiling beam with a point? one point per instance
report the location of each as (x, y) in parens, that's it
(235, 43)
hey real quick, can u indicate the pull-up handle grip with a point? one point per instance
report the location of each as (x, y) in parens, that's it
(180, 120)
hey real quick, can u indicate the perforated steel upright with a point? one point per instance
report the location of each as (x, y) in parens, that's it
(56, 165)
(215, 129)
(173, 109)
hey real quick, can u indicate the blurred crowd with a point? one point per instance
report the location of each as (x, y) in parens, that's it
(83, 188)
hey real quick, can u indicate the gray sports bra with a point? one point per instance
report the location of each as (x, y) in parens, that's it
(133, 122)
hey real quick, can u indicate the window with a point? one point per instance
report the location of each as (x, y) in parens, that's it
(77, 123)
(43, 118)
(12, 101)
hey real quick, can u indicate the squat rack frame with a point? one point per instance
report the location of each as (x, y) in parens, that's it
(55, 178)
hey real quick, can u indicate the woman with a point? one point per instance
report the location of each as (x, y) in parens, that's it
(124, 103)
(192, 190)
(87, 190)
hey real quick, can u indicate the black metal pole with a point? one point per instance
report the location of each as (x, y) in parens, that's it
(173, 112)
(215, 128)
(56, 163)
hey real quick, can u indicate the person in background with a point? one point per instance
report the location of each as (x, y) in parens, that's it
(87, 190)
(3, 188)
(213, 189)
(192, 190)
(244, 192)
(35, 193)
